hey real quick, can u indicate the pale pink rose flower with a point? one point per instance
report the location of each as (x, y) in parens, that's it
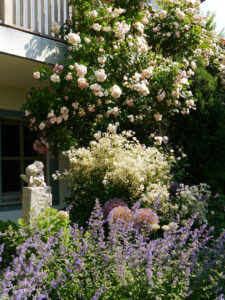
(93, 14)
(81, 70)
(158, 140)
(59, 120)
(55, 78)
(96, 87)
(82, 83)
(129, 102)
(99, 94)
(69, 76)
(42, 126)
(73, 38)
(87, 40)
(91, 108)
(115, 91)
(58, 68)
(82, 112)
(100, 75)
(165, 139)
(96, 27)
(27, 113)
(75, 105)
(158, 117)
(36, 75)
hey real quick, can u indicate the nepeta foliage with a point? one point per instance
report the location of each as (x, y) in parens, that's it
(126, 65)
(123, 264)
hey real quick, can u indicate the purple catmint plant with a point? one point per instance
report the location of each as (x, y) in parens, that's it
(185, 262)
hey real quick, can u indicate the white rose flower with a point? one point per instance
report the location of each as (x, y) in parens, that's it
(165, 139)
(42, 125)
(73, 38)
(100, 75)
(190, 102)
(98, 135)
(55, 28)
(180, 15)
(82, 83)
(161, 96)
(139, 26)
(55, 78)
(96, 87)
(69, 76)
(106, 28)
(131, 118)
(93, 14)
(102, 60)
(81, 70)
(97, 27)
(162, 14)
(158, 117)
(87, 40)
(36, 75)
(158, 140)
(147, 73)
(115, 91)
(193, 65)
(112, 128)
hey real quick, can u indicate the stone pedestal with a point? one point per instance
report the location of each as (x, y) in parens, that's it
(35, 199)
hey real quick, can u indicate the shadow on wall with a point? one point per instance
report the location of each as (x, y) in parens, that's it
(45, 50)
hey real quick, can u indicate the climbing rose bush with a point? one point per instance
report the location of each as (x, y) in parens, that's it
(181, 263)
(130, 68)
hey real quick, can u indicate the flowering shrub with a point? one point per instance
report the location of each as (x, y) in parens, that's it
(117, 166)
(87, 265)
(187, 200)
(128, 67)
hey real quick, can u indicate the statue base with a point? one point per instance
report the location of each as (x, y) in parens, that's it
(35, 199)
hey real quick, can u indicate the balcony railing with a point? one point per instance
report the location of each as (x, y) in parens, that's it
(35, 16)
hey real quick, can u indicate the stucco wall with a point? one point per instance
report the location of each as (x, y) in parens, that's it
(12, 98)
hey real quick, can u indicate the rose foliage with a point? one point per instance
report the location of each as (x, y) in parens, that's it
(125, 68)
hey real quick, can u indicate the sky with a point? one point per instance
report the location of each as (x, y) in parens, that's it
(217, 6)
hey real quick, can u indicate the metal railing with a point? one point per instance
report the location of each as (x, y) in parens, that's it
(34, 16)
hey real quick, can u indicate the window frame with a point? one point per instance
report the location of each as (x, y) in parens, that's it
(51, 165)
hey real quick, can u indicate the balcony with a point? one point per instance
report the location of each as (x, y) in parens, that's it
(25, 29)
(35, 16)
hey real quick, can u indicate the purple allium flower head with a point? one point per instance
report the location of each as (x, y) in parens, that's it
(120, 213)
(145, 217)
(110, 204)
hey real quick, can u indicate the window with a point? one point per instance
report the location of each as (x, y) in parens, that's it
(16, 153)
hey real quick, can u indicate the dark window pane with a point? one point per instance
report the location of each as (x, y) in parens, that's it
(29, 138)
(10, 176)
(10, 136)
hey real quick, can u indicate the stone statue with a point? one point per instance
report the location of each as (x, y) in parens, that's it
(34, 176)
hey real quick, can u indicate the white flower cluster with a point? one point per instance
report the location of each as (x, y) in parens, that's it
(121, 162)
(121, 29)
(190, 200)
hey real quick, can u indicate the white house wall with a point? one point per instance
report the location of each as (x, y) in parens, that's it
(30, 46)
